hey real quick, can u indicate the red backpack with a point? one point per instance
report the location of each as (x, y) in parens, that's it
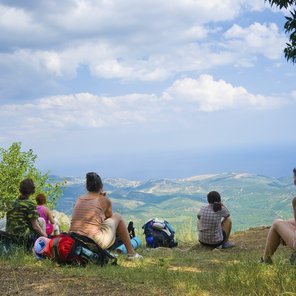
(71, 249)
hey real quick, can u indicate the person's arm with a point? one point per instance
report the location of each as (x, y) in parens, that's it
(294, 207)
(49, 216)
(37, 228)
(108, 212)
(199, 214)
(225, 212)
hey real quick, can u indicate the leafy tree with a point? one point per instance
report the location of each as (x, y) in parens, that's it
(290, 27)
(15, 166)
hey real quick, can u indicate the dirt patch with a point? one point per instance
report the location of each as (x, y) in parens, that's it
(251, 239)
(27, 281)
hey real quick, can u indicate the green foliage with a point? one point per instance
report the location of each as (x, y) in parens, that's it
(16, 165)
(290, 27)
(281, 3)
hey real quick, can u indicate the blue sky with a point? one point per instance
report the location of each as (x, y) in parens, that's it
(147, 89)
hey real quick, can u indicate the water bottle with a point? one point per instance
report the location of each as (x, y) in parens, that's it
(90, 255)
(136, 243)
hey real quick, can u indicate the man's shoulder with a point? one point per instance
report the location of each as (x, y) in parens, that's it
(27, 203)
(22, 202)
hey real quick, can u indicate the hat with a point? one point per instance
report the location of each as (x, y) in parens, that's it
(41, 247)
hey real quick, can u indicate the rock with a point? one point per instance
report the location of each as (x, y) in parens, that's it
(63, 219)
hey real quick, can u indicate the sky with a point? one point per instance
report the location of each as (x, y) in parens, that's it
(147, 89)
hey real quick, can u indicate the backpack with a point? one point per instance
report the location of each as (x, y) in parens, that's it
(10, 241)
(159, 233)
(71, 248)
(118, 242)
(7, 242)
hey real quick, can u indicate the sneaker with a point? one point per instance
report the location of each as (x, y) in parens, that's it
(228, 245)
(268, 260)
(135, 256)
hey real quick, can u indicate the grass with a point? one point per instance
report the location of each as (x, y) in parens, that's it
(188, 270)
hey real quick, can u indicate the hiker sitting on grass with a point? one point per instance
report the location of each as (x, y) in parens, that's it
(22, 217)
(93, 217)
(44, 212)
(281, 231)
(214, 223)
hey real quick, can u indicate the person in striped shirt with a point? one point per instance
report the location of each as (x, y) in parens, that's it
(93, 217)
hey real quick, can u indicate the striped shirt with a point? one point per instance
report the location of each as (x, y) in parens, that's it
(209, 225)
(88, 214)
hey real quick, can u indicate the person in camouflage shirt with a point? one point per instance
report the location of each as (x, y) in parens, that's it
(22, 217)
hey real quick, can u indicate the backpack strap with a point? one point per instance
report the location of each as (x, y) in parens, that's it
(55, 250)
(131, 229)
(84, 241)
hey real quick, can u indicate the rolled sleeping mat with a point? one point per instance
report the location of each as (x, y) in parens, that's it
(136, 243)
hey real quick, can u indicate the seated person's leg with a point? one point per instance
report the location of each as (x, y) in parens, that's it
(105, 239)
(110, 227)
(42, 223)
(226, 226)
(56, 228)
(280, 229)
(122, 232)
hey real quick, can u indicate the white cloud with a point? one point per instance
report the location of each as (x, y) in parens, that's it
(209, 95)
(255, 4)
(46, 43)
(66, 21)
(86, 111)
(82, 110)
(258, 38)
(240, 46)
(20, 29)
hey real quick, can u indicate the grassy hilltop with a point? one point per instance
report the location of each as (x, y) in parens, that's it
(189, 269)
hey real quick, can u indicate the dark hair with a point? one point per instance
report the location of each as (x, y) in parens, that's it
(93, 182)
(27, 188)
(294, 171)
(215, 199)
(41, 199)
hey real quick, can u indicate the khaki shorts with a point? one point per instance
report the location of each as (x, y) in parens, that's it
(106, 238)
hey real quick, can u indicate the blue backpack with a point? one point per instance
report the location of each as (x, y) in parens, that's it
(159, 233)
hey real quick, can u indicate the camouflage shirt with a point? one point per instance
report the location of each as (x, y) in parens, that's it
(19, 217)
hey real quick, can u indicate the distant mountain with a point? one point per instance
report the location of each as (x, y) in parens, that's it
(252, 199)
